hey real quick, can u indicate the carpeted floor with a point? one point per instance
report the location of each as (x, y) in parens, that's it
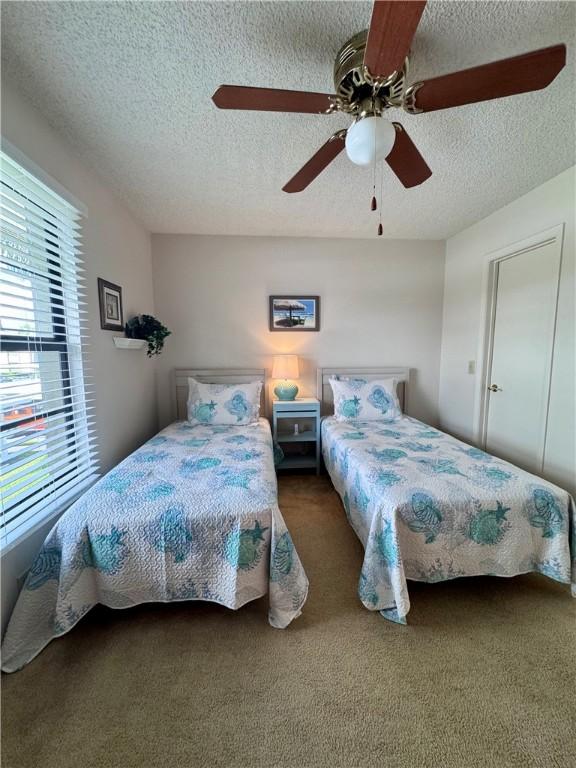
(483, 676)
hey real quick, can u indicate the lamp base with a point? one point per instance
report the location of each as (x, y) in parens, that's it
(286, 391)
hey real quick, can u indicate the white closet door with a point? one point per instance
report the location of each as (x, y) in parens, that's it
(522, 346)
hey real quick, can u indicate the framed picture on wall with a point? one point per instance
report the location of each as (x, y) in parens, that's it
(294, 313)
(110, 297)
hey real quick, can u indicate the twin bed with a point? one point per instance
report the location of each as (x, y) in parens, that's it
(428, 507)
(193, 515)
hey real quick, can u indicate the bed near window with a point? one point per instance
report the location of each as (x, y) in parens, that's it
(191, 515)
(429, 507)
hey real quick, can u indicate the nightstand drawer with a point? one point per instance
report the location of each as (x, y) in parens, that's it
(296, 414)
(304, 404)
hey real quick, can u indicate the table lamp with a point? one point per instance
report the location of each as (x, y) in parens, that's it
(285, 367)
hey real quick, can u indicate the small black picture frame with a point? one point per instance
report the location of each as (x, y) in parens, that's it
(294, 313)
(111, 313)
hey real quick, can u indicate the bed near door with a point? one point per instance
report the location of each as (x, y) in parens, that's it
(428, 507)
(191, 515)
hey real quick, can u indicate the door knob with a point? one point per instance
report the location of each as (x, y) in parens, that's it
(495, 388)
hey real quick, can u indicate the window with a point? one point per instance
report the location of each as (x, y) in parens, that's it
(46, 445)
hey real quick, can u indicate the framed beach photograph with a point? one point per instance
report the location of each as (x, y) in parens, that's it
(294, 313)
(110, 297)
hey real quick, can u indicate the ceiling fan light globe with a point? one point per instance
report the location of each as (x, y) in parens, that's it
(369, 140)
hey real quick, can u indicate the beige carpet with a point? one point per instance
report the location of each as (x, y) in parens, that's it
(483, 676)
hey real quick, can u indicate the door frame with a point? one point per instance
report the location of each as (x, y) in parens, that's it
(551, 236)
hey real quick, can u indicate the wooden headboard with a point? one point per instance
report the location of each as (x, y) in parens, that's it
(180, 378)
(324, 390)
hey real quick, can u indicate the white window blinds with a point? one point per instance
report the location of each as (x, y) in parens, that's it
(46, 441)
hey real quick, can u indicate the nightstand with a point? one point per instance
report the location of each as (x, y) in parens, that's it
(302, 446)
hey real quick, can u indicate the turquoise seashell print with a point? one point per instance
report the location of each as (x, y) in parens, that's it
(367, 590)
(185, 591)
(491, 477)
(71, 616)
(159, 491)
(433, 572)
(238, 406)
(360, 498)
(423, 516)
(158, 440)
(282, 558)
(237, 439)
(238, 478)
(488, 526)
(346, 502)
(389, 433)
(429, 433)
(380, 400)
(551, 567)
(344, 458)
(204, 412)
(332, 455)
(387, 479)
(356, 384)
(117, 482)
(392, 615)
(243, 548)
(386, 546)
(439, 466)
(476, 453)
(45, 568)
(189, 467)
(388, 454)
(197, 442)
(171, 533)
(104, 552)
(350, 409)
(419, 447)
(354, 435)
(544, 512)
(240, 454)
(150, 457)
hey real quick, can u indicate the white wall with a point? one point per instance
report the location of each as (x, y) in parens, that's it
(381, 304)
(117, 248)
(465, 284)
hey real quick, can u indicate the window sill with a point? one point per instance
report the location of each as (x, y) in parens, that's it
(47, 515)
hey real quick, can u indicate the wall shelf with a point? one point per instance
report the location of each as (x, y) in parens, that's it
(121, 342)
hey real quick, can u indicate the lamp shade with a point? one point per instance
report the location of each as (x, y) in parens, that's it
(369, 140)
(285, 367)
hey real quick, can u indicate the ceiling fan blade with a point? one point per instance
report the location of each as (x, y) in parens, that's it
(519, 74)
(392, 27)
(317, 163)
(272, 99)
(405, 160)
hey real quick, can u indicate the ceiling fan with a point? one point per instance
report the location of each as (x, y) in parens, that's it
(370, 77)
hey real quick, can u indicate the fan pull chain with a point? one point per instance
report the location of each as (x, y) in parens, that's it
(374, 205)
(380, 228)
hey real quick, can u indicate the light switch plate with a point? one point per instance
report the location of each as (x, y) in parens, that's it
(471, 366)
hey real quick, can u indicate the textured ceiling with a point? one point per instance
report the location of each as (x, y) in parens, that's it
(129, 85)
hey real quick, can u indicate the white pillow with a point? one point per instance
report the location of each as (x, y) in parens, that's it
(237, 404)
(357, 399)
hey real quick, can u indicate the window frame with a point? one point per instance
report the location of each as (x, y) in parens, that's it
(75, 427)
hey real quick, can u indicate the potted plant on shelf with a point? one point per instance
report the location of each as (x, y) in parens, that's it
(149, 329)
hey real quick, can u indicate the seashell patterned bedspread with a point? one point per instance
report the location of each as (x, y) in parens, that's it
(191, 515)
(429, 507)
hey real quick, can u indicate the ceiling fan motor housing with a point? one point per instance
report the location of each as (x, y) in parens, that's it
(358, 93)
